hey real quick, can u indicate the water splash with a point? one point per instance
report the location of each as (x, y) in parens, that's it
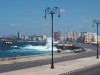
(47, 47)
(14, 46)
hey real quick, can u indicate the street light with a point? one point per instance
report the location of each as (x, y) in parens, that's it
(53, 11)
(97, 22)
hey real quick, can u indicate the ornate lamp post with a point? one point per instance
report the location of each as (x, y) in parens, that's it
(97, 22)
(53, 11)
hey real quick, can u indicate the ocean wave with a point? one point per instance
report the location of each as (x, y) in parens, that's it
(14, 46)
(47, 47)
(39, 48)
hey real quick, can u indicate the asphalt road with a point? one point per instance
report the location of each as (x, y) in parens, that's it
(23, 65)
(94, 70)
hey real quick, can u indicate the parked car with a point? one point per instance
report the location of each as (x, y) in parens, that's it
(79, 50)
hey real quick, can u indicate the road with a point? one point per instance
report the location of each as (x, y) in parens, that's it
(23, 65)
(94, 47)
(94, 70)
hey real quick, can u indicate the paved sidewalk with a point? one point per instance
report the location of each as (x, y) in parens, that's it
(60, 68)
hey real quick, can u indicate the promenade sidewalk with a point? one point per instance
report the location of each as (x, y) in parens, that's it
(60, 68)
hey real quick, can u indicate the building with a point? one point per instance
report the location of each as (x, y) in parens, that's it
(57, 36)
(81, 39)
(37, 38)
(95, 39)
(32, 38)
(19, 35)
(89, 37)
(72, 36)
(44, 37)
(24, 38)
(11, 38)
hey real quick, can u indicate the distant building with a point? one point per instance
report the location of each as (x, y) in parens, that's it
(44, 37)
(57, 36)
(24, 38)
(83, 33)
(1, 36)
(19, 35)
(72, 36)
(32, 38)
(89, 37)
(81, 39)
(95, 39)
(39, 38)
(11, 36)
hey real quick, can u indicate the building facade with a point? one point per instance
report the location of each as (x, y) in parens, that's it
(57, 36)
(89, 37)
(72, 36)
(95, 39)
(19, 35)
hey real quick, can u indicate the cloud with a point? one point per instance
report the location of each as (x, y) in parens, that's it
(62, 10)
(14, 25)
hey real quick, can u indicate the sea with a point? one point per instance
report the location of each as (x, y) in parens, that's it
(25, 48)
(22, 49)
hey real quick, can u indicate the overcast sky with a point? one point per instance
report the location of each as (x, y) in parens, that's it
(27, 16)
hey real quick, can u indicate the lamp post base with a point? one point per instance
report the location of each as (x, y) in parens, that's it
(52, 66)
(97, 57)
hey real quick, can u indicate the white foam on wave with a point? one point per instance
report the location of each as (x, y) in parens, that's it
(14, 46)
(47, 47)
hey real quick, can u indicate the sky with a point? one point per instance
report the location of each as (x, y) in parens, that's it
(27, 16)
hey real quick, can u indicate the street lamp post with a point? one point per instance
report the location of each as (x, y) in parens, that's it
(97, 22)
(53, 11)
